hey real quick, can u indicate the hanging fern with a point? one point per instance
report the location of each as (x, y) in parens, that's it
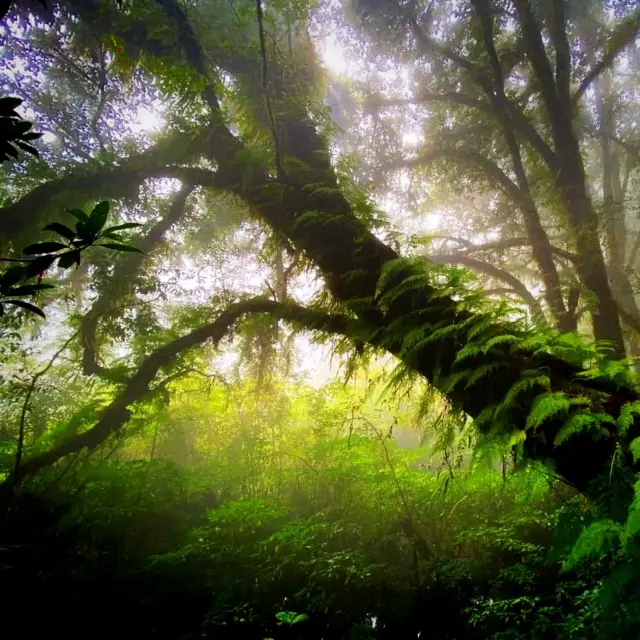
(581, 422)
(549, 405)
(528, 381)
(626, 417)
(599, 539)
(483, 370)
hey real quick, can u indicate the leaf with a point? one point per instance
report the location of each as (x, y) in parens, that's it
(626, 417)
(525, 383)
(599, 539)
(122, 227)
(61, 229)
(120, 247)
(545, 406)
(581, 422)
(507, 338)
(69, 259)
(78, 214)
(634, 448)
(8, 104)
(98, 216)
(25, 146)
(38, 266)
(43, 247)
(112, 236)
(26, 305)
(11, 276)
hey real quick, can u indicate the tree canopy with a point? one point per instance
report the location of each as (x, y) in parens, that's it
(236, 197)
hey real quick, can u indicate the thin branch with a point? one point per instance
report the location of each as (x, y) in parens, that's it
(122, 281)
(117, 413)
(518, 242)
(489, 168)
(619, 40)
(25, 404)
(520, 121)
(265, 86)
(493, 272)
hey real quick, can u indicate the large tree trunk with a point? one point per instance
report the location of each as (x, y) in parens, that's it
(360, 269)
(569, 170)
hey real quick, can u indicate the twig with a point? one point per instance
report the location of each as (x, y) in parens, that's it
(272, 121)
(25, 406)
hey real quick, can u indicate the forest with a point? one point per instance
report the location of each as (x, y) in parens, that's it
(320, 319)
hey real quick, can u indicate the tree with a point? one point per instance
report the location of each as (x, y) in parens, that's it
(255, 130)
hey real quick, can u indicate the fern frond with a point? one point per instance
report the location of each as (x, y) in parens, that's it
(484, 370)
(468, 351)
(600, 538)
(625, 419)
(450, 382)
(388, 270)
(412, 283)
(529, 380)
(506, 338)
(581, 422)
(634, 448)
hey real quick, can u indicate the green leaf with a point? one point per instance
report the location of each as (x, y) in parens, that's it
(112, 236)
(38, 266)
(120, 247)
(581, 422)
(69, 259)
(634, 448)
(626, 417)
(98, 216)
(78, 214)
(26, 305)
(61, 229)
(43, 247)
(11, 276)
(545, 406)
(599, 539)
(122, 227)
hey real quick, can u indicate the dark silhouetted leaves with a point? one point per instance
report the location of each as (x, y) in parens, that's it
(69, 259)
(61, 229)
(26, 305)
(38, 266)
(43, 247)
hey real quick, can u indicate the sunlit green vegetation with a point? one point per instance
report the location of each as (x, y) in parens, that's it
(319, 319)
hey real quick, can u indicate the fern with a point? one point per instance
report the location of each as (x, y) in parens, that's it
(450, 382)
(437, 335)
(506, 338)
(599, 539)
(468, 351)
(414, 282)
(484, 370)
(548, 405)
(625, 419)
(389, 269)
(529, 380)
(634, 448)
(545, 406)
(581, 422)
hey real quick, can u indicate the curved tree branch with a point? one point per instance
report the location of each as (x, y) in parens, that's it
(516, 242)
(123, 279)
(489, 168)
(624, 34)
(117, 413)
(493, 272)
(106, 181)
(520, 121)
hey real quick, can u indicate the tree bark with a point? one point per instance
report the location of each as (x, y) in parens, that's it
(570, 176)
